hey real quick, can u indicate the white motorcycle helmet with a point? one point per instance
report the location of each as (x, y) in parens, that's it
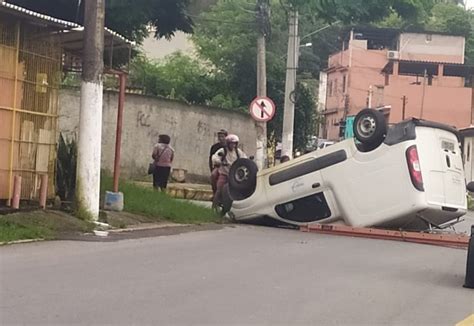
(232, 139)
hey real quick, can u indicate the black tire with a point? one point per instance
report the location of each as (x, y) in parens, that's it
(243, 175)
(370, 127)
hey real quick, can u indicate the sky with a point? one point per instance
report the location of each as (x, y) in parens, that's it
(470, 4)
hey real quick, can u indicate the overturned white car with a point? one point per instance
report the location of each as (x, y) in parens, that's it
(407, 176)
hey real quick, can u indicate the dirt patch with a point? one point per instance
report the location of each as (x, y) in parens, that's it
(124, 219)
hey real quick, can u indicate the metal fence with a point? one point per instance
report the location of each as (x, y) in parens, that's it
(30, 76)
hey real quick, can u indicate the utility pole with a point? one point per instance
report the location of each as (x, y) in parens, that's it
(371, 95)
(90, 125)
(423, 95)
(290, 85)
(263, 23)
(404, 103)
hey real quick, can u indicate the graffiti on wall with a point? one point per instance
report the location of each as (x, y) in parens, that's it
(143, 119)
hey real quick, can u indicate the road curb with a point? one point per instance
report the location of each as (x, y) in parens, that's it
(6, 243)
(148, 227)
(460, 241)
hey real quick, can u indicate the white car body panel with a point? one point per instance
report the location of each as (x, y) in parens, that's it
(368, 188)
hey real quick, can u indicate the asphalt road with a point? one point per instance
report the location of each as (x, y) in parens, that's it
(236, 275)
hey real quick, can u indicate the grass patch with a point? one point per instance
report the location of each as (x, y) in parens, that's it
(39, 225)
(11, 231)
(158, 206)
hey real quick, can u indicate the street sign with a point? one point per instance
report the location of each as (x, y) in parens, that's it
(262, 109)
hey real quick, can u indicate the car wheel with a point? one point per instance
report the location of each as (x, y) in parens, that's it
(243, 175)
(370, 127)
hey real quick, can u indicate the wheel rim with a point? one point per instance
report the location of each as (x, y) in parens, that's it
(366, 126)
(241, 174)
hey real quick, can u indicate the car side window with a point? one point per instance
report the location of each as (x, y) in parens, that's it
(306, 209)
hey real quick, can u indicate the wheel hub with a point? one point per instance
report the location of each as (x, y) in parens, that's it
(366, 126)
(241, 174)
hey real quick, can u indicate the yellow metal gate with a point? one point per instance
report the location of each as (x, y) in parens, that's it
(30, 76)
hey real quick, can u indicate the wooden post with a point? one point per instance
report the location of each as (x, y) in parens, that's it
(43, 191)
(16, 192)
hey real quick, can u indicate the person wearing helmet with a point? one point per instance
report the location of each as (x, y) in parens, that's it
(224, 158)
(221, 143)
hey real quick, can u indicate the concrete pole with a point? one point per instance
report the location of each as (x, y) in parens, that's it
(118, 133)
(261, 154)
(90, 125)
(371, 94)
(290, 85)
(423, 94)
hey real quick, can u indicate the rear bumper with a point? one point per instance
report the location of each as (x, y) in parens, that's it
(420, 220)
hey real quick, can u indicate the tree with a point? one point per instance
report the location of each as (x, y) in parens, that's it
(226, 37)
(450, 18)
(131, 18)
(372, 10)
(177, 77)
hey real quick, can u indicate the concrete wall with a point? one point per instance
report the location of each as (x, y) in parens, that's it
(432, 47)
(192, 129)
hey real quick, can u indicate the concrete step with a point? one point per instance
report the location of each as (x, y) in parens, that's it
(189, 191)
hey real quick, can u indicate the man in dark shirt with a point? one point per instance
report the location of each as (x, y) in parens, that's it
(221, 134)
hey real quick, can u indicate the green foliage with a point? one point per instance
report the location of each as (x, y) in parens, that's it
(180, 77)
(11, 231)
(393, 20)
(450, 18)
(355, 11)
(39, 225)
(231, 49)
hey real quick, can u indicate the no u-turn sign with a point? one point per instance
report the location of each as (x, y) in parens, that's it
(262, 109)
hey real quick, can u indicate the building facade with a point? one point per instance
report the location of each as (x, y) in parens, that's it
(418, 75)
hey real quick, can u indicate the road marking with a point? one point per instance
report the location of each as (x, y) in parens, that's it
(469, 321)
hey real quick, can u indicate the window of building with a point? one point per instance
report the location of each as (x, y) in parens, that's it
(330, 88)
(344, 84)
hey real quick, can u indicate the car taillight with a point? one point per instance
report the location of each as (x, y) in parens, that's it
(414, 168)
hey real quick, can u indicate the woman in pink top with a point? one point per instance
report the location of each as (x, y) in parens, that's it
(163, 155)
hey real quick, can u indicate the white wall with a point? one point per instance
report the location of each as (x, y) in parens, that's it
(192, 129)
(412, 45)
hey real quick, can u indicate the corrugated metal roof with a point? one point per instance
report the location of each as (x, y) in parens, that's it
(58, 23)
(20, 11)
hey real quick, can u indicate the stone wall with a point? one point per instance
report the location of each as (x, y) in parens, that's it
(192, 129)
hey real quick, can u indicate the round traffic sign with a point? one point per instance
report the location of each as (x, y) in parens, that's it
(262, 109)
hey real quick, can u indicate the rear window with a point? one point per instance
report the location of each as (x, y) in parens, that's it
(306, 209)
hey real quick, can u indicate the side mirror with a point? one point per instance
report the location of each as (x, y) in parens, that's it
(251, 157)
(470, 186)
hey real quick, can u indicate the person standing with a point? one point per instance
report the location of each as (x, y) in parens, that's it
(221, 143)
(163, 155)
(224, 158)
